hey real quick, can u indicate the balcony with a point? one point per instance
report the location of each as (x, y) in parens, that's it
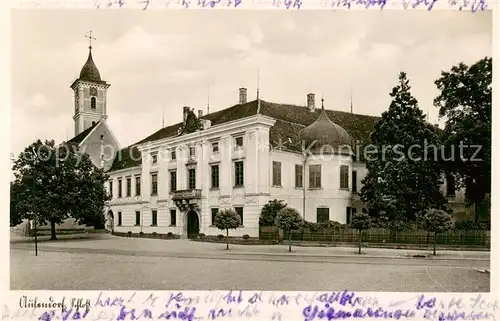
(186, 194)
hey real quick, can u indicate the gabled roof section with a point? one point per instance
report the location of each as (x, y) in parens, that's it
(80, 137)
(290, 119)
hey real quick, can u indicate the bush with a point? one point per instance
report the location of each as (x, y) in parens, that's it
(141, 233)
(201, 235)
(289, 219)
(220, 236)
(437, 221)
(246, 237)
(154, 233)
(269, 212)
(129, 233)
(471, 225)
(332, 225)
(170, 234)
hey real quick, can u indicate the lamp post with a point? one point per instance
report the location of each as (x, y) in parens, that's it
(35, 162)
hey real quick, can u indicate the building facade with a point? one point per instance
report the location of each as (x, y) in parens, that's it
(240, 157)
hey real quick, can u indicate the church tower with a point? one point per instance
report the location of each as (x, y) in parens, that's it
(90, 93)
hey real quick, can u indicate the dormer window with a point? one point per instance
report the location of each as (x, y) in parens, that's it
(154, 159)
(239, 142)
(215, 148)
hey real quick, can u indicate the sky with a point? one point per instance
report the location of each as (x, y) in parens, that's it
(159, 61)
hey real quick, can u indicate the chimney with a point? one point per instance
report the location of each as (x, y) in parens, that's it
(200, 113)
(185, 112)
(243, 95)
(311, 101)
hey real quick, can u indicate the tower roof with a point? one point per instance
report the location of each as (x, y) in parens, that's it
(89, 71)
(324, 136)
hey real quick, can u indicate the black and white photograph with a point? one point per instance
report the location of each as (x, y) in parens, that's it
(253, 150)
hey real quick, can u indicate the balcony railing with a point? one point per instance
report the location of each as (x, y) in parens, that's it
(186, 194)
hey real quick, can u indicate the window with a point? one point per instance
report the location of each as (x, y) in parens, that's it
(119, 218)
(215, 148)
(214, 213)
(93, 123)
(93, 103)
(137, 218)
(111, 189)
(192, 178)
(353, 211)
(238, 173)
(450, 185)
(314, 176)
(192, 152)
(322, 214)
(154, 184)
(119, 188)
(129, 186)
(239, 141)
(173, 181)
(239, 210)
(299, 173)
(354, 181)
(154, 159)
(215, 176)
(138, 186)
(364, 211)
(173, 156)
(276, 173)
(154, 218)
(348, 215)
(172, 217)
(344, 176)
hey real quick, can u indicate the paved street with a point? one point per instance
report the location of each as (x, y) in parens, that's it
(115, 263)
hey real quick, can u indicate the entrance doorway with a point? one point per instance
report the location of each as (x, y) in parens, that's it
(193, 224)
(110, 218)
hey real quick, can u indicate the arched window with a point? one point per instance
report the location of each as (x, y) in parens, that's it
(93, 103)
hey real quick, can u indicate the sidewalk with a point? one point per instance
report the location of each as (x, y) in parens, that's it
(108, 242)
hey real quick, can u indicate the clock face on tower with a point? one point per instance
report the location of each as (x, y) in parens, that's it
(93, 91)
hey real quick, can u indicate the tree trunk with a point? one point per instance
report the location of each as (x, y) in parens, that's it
(53, 230)
(434, 249)
(289, 241)
(227, 239)
(359, 250)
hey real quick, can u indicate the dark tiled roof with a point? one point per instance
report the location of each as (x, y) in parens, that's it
(126, 158)
(290, 119)
(78, 138)
(89, 71)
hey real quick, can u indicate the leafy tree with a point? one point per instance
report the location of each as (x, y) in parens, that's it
(360, 222)
(437, 221)
(55, 183)
(227, 220)
(269, 212)
(465, 102)
(404, 178)
(289, 219)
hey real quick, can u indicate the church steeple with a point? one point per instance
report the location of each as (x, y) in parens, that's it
(90, 94)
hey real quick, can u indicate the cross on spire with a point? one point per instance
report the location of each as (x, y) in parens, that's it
(90, 38)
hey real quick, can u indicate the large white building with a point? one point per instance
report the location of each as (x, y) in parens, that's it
(176, 179)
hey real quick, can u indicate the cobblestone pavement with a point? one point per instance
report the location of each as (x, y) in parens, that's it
(114, 263)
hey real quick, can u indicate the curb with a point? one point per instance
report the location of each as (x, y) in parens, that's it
(399, 257)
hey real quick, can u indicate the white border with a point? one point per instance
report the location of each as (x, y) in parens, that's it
(294, 311)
